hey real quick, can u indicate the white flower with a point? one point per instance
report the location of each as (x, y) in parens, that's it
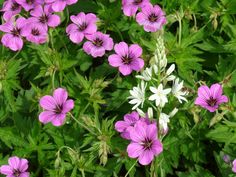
(168, 76)
(164, 119)
(137, 95)
(159, 95)
(147, 73)
(173, 112)
(177, 90)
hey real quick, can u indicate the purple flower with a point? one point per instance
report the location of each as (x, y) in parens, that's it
(10, 8)
(29, 4)
(97, 44)
(83, 24)
(44, 16)
(127, 58)
(13, 37)
(59, 5)
(129, 121)
(234, 166)
(210, 98)
(55, 107)
(130, 7)
(17, 167)
(35, 33)
(151, 17)
(144, 143)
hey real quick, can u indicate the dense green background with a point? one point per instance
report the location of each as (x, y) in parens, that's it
(200, 37)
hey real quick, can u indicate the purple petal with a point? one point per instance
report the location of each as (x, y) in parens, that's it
(88, 47)
(23, 165)
(91, 18)
(48, 102)
(138, 133)
(69, 2)
(16, 43)
(121, 49)
(59, 5)
(121, 126)
(150, 27)
(54, 20)
(151, 132)
(108, 43)
(59, 120)
(135, 50)
(216, 91)
(201, 102)
(234, 166)
(91, 28)
(130, 10)
(68, 106)
(222, 99)
(131, 118)
(97, 51)
(134, 150)
(115, 60)
(60, 95)
(6, 38)
(7, 27)
(78, 19)
(46, 116)
(137, 64)
(141, 18)
(157, 147)
(211, 108)
(14, 162)
(146, 157)
(125, 70)
(37, 11)
(21, 22)
(71, 28)
(76, 37)
(6, 170)
(204, 92)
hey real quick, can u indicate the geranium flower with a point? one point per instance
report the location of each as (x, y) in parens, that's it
(55, 107)
(144, 143)
(59, 5)
(44, 16)
(97, 44)
(151, 17)
(83, 24)
(129, 121)
(10, 8)
(210, 98)
(127, 58)
(234, 166)
(159, 95)
(130, 7)
(35, 33)
(17, 167)
(13, 37)
(29, 4)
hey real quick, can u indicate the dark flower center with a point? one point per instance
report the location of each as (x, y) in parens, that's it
(137, 2)
(127, 59)
(15, 31)
(35, 32)
(43, 18)
(83, 26)
(58, 109)
(14, 6)
(152, 17)
(147, 144)
(29, 2)
(98, 42)
(16, 172)
(211, 101)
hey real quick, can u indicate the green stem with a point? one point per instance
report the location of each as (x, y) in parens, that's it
(180, 28)
(82, 125)
(82, 172)
(131, 168)
(53, 79)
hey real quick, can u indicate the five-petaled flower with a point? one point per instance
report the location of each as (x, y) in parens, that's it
(144, 143)
(10, 8)
(55, 107)
(83, 24)
(210, 98)
(13, 37)
(127, 58)
(151, 17)
(98, 43)
(17, 167)
(59, 5)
